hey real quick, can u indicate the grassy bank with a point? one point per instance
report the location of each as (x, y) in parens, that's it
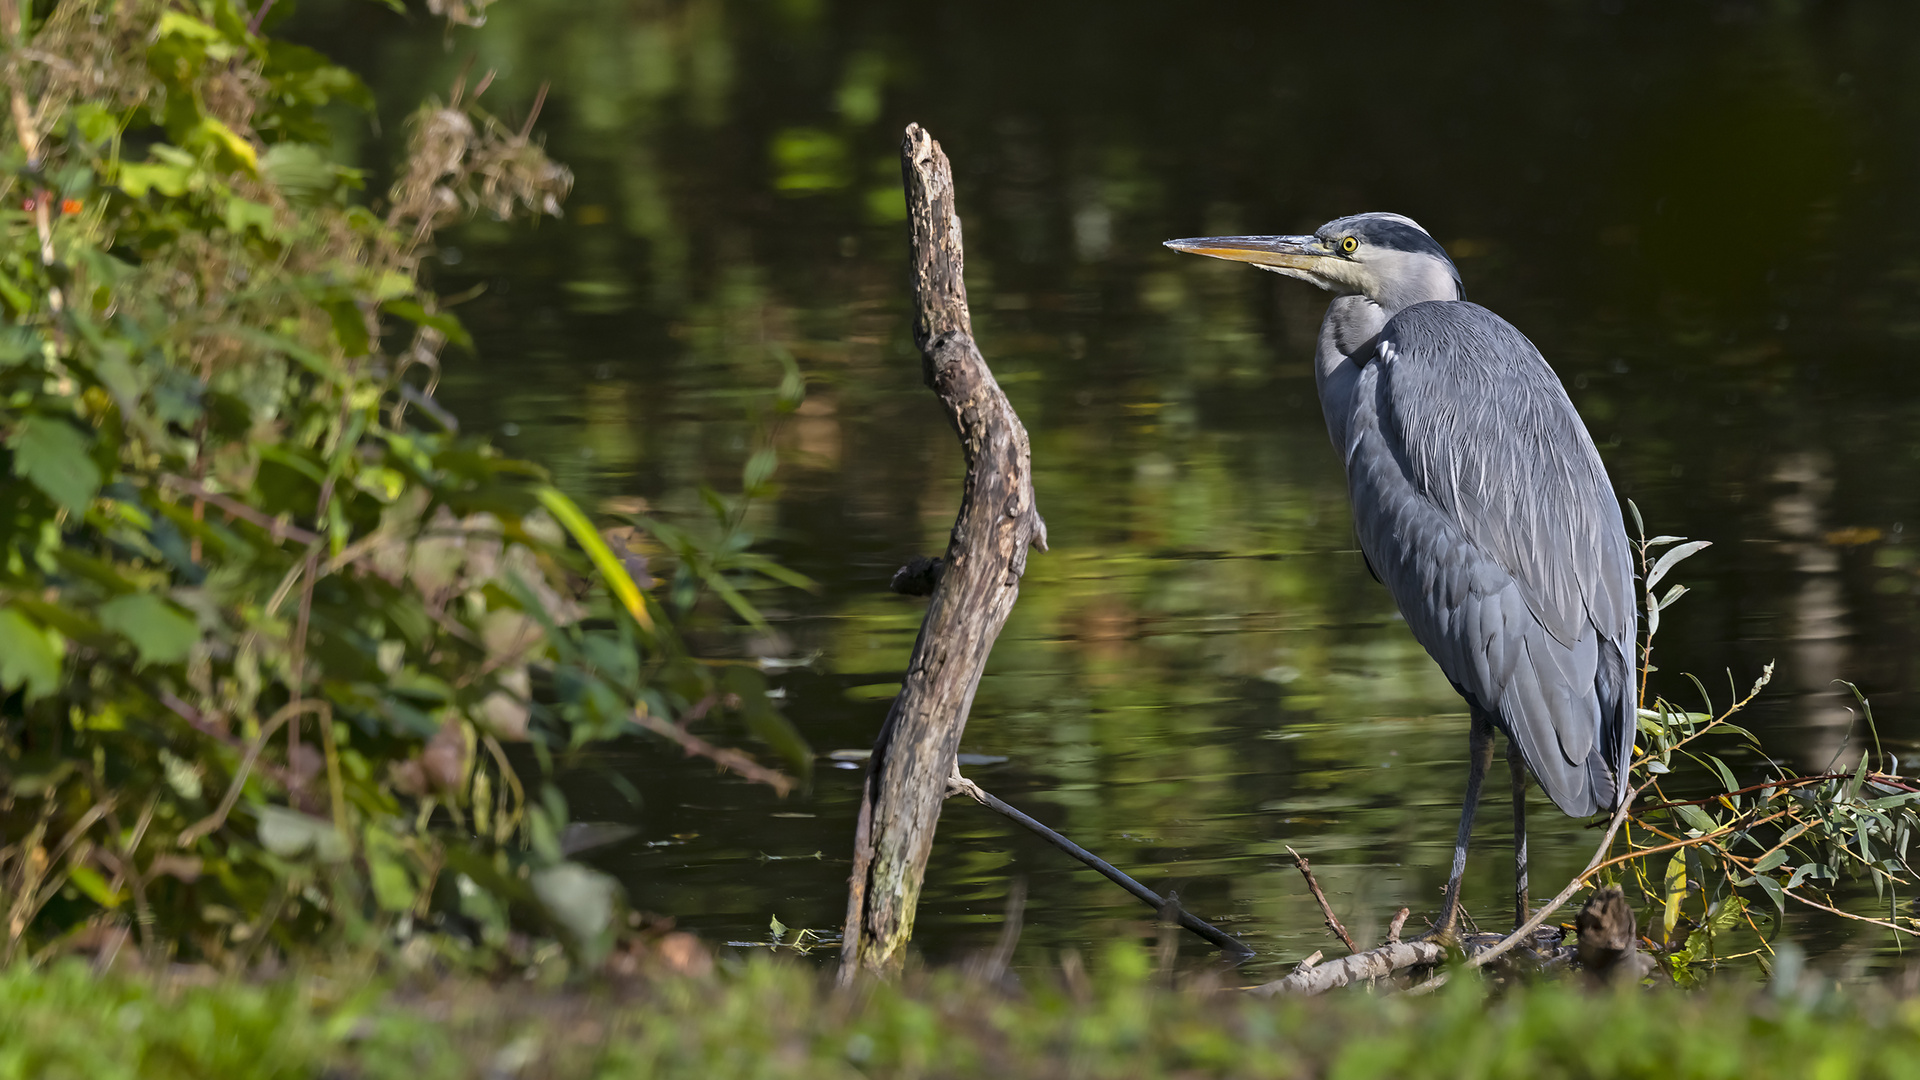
(771, 1019)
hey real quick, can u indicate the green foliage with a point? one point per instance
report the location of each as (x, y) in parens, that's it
(769, 1019)
(270, 624)
(1779, 838)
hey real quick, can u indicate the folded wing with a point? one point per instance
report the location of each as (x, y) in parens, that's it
(1483, 506)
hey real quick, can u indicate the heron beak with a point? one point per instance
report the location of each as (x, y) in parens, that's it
(1278, 252)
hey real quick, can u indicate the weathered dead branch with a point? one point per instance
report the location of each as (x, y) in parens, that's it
(1372, 964)
(976, 589)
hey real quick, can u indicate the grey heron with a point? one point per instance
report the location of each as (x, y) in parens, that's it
(1483, 507)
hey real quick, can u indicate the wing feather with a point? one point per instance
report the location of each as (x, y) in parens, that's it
(1482, 504)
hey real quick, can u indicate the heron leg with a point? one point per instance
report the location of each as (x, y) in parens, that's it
(1519, 770)
(1480, 755)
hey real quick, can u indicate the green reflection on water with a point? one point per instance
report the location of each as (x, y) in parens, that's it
(1701, 222)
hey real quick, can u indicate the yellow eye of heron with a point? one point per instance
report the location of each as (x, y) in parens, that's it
(1349, 246)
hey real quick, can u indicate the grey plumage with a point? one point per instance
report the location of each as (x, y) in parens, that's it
(1482, 505)
(1479, 500)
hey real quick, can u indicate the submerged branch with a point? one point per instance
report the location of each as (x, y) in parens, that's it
(1235, 949)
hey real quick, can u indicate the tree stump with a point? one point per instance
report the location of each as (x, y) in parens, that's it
(972, 593)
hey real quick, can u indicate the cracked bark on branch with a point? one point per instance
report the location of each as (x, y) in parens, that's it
(1372, 964)
(975, 590)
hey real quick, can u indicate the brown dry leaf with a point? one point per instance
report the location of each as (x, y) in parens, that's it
(444, 760)
(408, 777)
(683, 954)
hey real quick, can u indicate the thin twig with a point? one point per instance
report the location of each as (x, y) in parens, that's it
(279, 530)
(1232, 946)
(732, 760)
(1849, 915)
(219, 816)
(1784, 784)
(1399, 923)
(1333, 921)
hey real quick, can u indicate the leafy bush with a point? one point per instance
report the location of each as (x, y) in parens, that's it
(1704, 861)
(269, 622)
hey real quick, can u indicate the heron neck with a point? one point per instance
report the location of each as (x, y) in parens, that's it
(1346, 340)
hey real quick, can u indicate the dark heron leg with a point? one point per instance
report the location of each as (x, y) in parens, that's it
(1519, 770)
(1480, 759)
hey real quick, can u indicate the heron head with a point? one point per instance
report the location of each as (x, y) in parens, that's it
(1387, 258)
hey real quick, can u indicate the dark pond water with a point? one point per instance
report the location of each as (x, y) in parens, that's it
(1703, 213)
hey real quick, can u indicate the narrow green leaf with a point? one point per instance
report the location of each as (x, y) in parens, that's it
(1667, 561)
(1697, 818)
(769, 568)
(444, 322)
(1726, 774)
(759, 469)
(619, 582)
(90, 881)
(1676, 892)
(1705, 697)
(725, 590)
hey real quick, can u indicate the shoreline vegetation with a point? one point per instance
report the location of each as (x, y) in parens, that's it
(286, 658)
(1116, 1017)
